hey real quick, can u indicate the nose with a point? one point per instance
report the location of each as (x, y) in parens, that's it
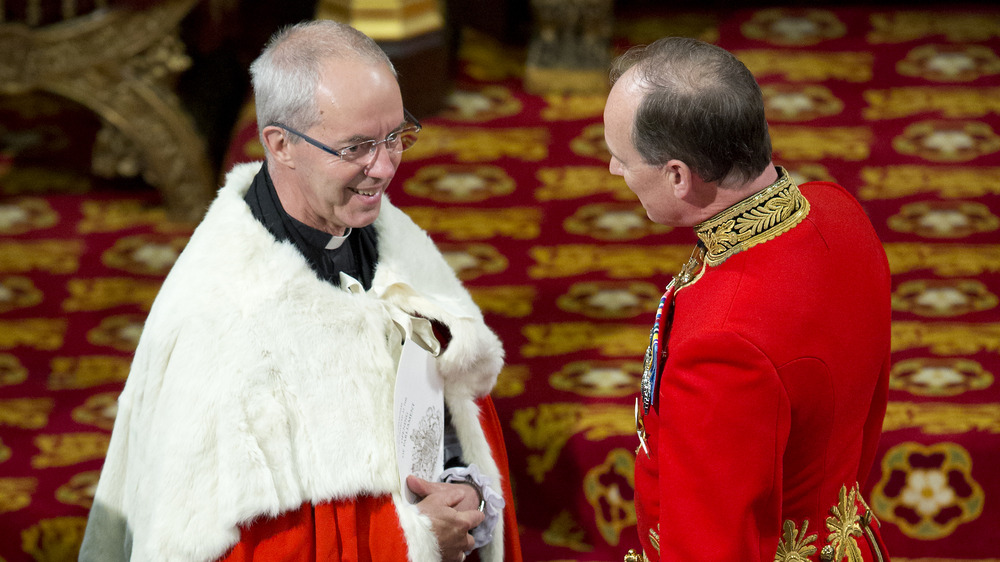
(384, 163)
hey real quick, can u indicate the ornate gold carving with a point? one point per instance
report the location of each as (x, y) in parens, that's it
(566, 532)
(459, 183)
(548, 427)
(37, 333)
(26, 413)
(942, 297)
(570, 50)
(948, 102)
(469, 144)
(513, 301)
(69, 448)
(598, 379)
(941, 419)
(473, 260)
(572, 81)
(948, 260)
(571, 182)
(85, 372)
(946, 338)
(613, 340)
(103, 293)
(791, 26)
(392, 20)
(11, 370)
(54, 256)
(616, 261)
(895, 182)
(795, 546)
(487, 60)
(15, 493)
(924, 376)
(610, 299)
(947, 141)
(511, 381)
(613, 222)
(901, 26)
(808, 66)
(4, 452)
(794, 142)
(118, 63)
(603, 490)
(18, 292)
(844, 525)
(522, 223)
(774, 210)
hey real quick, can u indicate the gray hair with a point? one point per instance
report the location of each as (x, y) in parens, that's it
(286, 74)
(701, 106)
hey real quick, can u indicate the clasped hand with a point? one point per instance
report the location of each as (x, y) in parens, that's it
(453, 510)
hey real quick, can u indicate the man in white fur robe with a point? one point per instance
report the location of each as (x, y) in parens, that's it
(257, 420)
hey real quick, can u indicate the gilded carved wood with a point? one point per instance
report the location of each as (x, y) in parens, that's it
(120, 64)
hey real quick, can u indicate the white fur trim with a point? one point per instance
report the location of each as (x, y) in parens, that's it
(235, 406)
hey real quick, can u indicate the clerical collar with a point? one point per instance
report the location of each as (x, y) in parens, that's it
(770, 212)
(338, 241)
(357, 257)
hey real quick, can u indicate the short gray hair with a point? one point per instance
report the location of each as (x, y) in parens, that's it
(286, 73)
(701, 106)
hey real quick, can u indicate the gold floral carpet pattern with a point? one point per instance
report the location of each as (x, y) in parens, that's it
(901, 107)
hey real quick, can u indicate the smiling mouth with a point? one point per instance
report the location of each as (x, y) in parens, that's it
(365, 192)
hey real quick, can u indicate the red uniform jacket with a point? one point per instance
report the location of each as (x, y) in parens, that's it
(770, 403)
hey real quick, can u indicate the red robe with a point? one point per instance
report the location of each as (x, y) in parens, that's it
(364, 529)
(774, 384)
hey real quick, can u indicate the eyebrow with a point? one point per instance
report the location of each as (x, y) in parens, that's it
(362, 138)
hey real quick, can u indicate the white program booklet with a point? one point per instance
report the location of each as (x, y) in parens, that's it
(419, 416)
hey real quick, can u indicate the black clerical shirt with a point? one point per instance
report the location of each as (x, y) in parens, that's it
(356, 257)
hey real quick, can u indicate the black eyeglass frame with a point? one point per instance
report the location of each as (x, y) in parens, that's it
(415, 127)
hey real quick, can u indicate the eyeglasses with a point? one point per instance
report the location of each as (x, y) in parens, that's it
(363, 152)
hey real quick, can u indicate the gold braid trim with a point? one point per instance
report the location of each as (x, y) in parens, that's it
(772, 211)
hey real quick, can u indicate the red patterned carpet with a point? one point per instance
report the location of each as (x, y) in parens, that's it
(902, 107)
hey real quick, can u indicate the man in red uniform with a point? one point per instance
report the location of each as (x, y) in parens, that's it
(766, 376)
(257, 422)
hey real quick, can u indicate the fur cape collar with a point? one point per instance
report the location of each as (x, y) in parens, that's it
(256, 387)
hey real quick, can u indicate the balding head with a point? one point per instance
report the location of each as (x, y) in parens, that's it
(699, 105)
(287, 72)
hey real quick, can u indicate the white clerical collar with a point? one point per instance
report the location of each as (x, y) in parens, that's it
(338, 241)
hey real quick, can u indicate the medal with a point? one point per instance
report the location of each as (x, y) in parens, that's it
(652, 364)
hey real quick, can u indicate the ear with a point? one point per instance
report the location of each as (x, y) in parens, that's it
(679, 178)
(275, 140)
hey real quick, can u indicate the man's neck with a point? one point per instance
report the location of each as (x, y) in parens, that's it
(726, 197)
